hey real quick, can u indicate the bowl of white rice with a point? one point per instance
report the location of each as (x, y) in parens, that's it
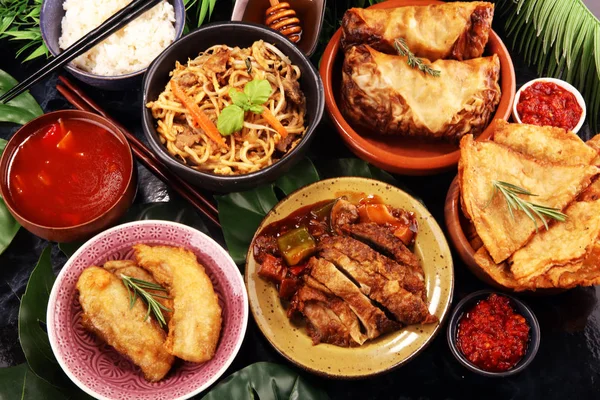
(119, 61)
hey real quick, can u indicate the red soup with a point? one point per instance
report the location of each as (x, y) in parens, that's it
(492, 335)
(68, 173)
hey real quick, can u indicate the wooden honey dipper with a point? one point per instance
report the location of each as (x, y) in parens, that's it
(283, 19)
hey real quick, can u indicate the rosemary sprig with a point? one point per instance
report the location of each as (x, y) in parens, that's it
(414, 62)
(532, 210)
(138, 287)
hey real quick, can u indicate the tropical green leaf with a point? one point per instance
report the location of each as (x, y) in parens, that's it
(303, 174)
(20, 383)
(40, 51)
(32, 323)
(562, 39)
(268, 381)
(8, 225)
(21, 109)
(354, 167)
(197, 12)
(175, 211)
(240, 215)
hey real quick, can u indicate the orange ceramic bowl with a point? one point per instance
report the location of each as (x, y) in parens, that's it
(400, 155)
(456, 225)
(76, 232)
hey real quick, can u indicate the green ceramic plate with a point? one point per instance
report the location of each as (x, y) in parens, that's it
(376, 356)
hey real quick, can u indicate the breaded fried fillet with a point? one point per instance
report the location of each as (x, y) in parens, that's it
(131, 269)
(107, 313)
(195, 326)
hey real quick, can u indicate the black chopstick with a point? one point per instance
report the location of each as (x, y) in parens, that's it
(111, 25)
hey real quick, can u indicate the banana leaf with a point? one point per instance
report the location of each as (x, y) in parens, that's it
(32, 323)
(21, 109)
(20, 383)
(265, 381)
(240, 213)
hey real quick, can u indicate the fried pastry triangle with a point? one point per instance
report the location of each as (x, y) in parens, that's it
(545, 143)
(570, 241)
(482, 163)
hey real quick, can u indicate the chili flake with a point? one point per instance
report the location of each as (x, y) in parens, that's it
(546, 103)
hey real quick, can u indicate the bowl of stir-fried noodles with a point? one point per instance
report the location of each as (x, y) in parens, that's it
(231, 106)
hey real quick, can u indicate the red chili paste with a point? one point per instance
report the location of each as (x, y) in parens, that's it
(492, 336)
(546, 103)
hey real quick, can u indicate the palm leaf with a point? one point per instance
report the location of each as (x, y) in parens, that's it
(562, 38)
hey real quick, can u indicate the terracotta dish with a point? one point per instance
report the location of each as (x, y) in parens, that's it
(398, 154)
(456, 225)
(376, 356)
(83, 230)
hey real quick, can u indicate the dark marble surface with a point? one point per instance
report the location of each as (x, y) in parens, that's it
(566, 367)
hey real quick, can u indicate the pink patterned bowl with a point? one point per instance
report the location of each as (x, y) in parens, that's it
(96, 367)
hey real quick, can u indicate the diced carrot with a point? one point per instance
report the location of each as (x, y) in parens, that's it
(274, 122)
(377, 213)
(380, 214)
(198, 115)
(66, 142)
(272, 269)
(297, 270)
(404, 233)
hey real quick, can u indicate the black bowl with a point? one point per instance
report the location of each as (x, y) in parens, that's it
(51, 15)
(469, 302)
(232, 34)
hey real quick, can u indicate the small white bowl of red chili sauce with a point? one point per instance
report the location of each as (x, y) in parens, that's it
(549, 102)
(67, 175)
(493, 334)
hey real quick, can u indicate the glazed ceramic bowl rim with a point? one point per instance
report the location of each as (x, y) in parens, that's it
(371, 152)
(59, 280)
(565, 85)
(148, 122)
(524, 309)
(237, 14)
(417, 204)
(78, 71)
(76, 114)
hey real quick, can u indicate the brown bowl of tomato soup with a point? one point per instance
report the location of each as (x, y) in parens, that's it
(67, 175)
(493, 334)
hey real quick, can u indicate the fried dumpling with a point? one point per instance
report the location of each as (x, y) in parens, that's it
(482, 163)
(545, 143)
(384, 94)
(457, 31)
(195, 326)
(108, 313)
(570, 240)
